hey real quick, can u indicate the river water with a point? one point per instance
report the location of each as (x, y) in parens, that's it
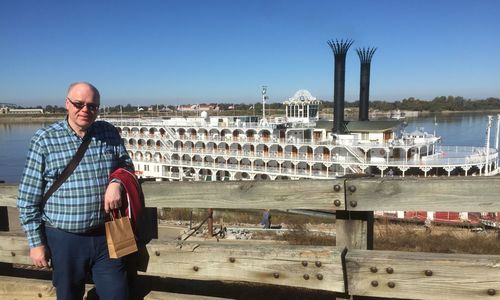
(464, 129)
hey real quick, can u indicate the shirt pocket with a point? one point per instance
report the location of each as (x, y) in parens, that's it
(55, 165)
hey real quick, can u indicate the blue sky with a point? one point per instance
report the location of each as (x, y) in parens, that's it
(175, 52)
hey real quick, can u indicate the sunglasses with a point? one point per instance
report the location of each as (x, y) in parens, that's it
(80, 106)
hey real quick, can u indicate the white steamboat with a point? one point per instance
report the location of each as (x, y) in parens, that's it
(297, 145)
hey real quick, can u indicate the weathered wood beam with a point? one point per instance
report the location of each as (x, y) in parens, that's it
(300, 194)
(24, 288)
(8, 194)
(29, 289)
(407, 194)
(391, 274)
(155, 295)
(14, 249)
(424, 194)
(414, 275)
(314, 267)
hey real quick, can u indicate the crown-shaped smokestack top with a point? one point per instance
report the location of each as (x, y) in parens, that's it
(365, 56)
(339, 49)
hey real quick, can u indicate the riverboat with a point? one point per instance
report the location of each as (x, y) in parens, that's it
(397, 114)
(298, 145)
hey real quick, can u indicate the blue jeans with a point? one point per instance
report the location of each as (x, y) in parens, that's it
(76, 255)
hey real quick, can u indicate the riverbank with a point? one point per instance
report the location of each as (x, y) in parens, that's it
(31, 118)
(325, 113)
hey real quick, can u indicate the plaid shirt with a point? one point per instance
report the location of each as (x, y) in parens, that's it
(78, 205)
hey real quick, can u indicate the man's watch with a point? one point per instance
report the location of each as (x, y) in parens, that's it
(116, 180)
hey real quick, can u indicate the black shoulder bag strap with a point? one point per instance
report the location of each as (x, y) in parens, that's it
(69, 168)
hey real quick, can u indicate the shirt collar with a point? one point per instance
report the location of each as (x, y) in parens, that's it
(65, 124)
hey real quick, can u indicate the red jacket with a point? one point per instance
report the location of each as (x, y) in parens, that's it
(132, 189)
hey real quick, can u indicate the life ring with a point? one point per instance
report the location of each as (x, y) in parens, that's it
(137, 173)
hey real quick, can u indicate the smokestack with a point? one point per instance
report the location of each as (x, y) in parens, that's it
(365, 56)
(339, 49)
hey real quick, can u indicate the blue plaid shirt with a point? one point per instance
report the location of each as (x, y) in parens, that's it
(78, 205)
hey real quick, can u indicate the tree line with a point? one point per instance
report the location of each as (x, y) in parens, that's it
(441, 103)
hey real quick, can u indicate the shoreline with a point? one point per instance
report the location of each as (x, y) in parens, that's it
(56, 117)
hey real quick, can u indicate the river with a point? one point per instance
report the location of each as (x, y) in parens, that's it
(460, 129)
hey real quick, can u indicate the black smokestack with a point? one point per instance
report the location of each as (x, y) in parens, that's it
(365, 56)
(339, 49)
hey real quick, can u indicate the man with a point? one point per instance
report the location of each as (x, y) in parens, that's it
(68, 229)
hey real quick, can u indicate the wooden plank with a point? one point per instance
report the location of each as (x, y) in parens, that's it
(8, 195)
(454, 276)
(424, 194)
(154, 295)
(29, 289)
(314, 267)
(214, 261)
(24, 289)
(300, 194)
(14, 249)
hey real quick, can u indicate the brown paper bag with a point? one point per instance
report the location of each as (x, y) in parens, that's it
(120, 237)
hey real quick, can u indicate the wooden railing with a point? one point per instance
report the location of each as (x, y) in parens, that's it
(348, 269)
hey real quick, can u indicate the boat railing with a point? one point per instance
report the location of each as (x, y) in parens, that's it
(443, 156)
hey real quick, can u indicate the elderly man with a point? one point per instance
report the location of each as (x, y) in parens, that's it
(68, 228)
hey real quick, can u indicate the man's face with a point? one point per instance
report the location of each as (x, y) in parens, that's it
(81, 106)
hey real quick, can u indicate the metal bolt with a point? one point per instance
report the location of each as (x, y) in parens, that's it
(428, 272)
(306, 276)
(13, 253)
(39, 295)
(492, 292)
(195, 268)
(318, 264)
(304, 263)
(232, 259)
(337, 203)
(319, 276)
(391, 284)
(276, 275)
(352, 188)
(353, 203)
(157, 253)
(390, 270)
(337, 188)
(373, 269)
(374, 283)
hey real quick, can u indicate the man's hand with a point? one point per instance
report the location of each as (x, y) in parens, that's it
(40, 256)
(113, 197)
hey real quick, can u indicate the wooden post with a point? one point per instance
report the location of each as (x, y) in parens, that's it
(354, 230)
(210, 222)
(4, 219)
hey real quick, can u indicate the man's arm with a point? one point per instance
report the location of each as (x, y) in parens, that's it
(29, 199)
(112, 196)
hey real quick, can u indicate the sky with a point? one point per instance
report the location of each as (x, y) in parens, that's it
(208, 51)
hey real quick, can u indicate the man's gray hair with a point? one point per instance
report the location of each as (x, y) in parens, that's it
(97, 95)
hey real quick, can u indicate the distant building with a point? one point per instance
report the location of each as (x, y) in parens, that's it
(21, 111)
(197, 107)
